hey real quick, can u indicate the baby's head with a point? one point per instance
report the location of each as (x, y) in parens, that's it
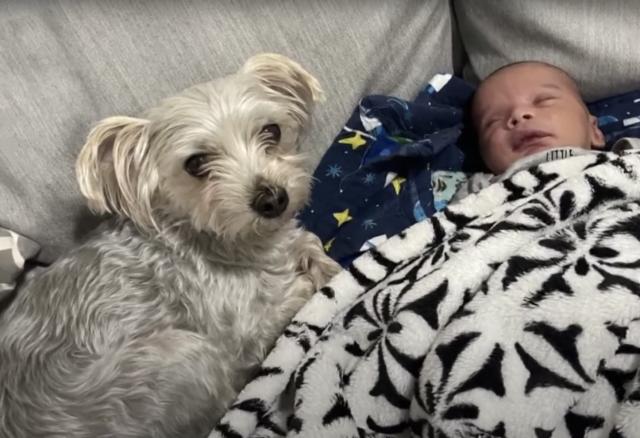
(528, 107)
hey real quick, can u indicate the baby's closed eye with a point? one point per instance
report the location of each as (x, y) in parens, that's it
(492, 121)
(544, 99)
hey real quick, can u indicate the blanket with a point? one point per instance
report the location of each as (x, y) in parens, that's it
(394, 163)
(514, 313)
(15, 250)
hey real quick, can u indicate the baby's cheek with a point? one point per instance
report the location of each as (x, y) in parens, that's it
(493, 147)
(500, 158)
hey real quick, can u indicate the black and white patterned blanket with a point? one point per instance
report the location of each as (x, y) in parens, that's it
(515, 313)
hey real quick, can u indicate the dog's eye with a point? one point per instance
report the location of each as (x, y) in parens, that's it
(271, 133)
(195, 164)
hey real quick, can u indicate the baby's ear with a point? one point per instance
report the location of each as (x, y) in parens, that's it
(597, 137)
(286, 78)
(109, 168)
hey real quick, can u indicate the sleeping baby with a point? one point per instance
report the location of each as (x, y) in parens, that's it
(529, 113)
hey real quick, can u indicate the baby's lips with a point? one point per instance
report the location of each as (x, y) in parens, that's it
(524, 137)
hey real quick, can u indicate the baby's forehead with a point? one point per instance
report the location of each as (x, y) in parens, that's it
(528, 71)
(523, 78)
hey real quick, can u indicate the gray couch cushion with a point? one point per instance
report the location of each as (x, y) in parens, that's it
(66, 64)
(595, 41)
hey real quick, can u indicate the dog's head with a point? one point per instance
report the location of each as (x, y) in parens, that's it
(222, 155)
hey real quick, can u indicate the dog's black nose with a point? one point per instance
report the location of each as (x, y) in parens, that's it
(271, 202)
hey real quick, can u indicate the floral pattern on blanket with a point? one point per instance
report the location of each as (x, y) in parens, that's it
(515, 313)
(14, 251)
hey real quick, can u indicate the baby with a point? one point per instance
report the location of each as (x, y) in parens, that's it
(529, 113)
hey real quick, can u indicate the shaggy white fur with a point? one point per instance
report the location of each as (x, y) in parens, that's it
(152, 326)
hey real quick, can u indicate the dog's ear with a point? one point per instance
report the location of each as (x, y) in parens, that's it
(110, 169)
(285, 78)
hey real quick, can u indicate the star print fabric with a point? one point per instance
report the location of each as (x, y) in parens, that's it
(393, 164)
(396, 163)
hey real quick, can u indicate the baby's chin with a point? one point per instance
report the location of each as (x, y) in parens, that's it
(541, 147)
(536, 148)
(537, 145)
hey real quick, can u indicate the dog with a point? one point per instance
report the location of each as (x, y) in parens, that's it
(152, 327)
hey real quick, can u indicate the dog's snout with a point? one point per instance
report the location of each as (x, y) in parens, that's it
(271, 202)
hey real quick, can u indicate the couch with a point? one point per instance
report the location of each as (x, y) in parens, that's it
(66, 64)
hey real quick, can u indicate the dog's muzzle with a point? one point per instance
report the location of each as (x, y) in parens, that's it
(270, 202)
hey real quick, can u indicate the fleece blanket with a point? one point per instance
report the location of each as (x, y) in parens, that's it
(515, 313)
(15, 250)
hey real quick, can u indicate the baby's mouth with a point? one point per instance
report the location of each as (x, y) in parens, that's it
(529, 139)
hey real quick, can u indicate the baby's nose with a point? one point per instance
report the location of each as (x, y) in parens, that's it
(519, 116)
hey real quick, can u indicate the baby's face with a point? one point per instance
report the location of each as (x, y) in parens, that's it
(528, 108)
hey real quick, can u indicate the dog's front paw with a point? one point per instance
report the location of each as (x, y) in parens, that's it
(315, 264)
(322, 270)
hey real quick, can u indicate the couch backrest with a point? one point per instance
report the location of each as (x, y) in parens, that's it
(595, 41)
(67, 64)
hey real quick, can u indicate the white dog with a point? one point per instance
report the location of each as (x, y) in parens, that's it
(152, 327)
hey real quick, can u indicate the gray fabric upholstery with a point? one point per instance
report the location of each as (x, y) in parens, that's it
(66, 64)
(595, 41)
